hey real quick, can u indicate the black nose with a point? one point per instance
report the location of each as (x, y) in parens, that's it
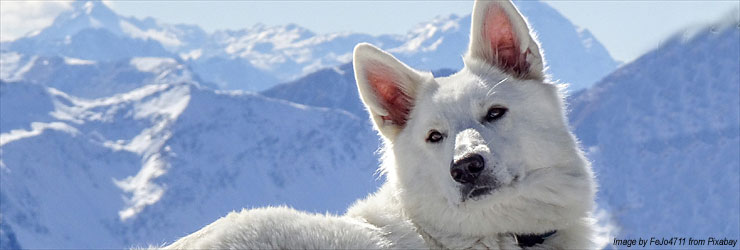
(468, 168)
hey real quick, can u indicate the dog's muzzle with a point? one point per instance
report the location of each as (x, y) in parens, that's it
(469, 172)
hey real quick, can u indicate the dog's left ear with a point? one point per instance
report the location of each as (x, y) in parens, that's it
(500, 36)
(387, 87)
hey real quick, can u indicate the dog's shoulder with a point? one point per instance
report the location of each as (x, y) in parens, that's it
(383, 210)
(283, 228)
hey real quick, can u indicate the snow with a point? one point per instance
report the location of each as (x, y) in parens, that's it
(284, 53)
(192, 55)
(151, 64)
(95, 79)
(95, 23)
(36, 129)
(144, 191)
(77, 61)
(13, 65)
(88, 6)
(162, 143)
(9, 61)
(163, 36)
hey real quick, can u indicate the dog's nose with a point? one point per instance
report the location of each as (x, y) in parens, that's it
(467, 169)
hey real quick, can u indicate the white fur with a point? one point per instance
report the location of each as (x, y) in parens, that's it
(545, 182)
(283, 228)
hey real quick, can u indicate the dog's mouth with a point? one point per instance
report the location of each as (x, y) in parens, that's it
(477, 192)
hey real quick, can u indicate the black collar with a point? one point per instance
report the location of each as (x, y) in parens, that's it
(528, 240)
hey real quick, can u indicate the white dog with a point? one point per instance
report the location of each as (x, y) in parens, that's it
(479, 159)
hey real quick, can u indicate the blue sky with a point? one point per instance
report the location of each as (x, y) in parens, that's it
(626, 28)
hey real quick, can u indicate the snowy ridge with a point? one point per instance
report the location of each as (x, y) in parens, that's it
(95, 79)
(663, 133)
(36, 129)
(258, 57)
(149, 144)
(14, 65)
(163, 148)
(151, 64)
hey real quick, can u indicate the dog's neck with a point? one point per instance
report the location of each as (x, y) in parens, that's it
(498, 241)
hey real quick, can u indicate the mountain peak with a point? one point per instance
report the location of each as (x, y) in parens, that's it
(92, 8)
(84, 14)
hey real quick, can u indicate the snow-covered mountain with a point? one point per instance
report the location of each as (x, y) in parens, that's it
(91, 30)
(153, 164)
(290, 51)
(259, 57)
(232, 73)
(663, 133)
(93, 79)
(574, 55)
(329, 88)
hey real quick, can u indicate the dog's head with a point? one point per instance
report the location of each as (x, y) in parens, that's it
(486, 150)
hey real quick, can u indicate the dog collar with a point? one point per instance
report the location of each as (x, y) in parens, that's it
(528, 240)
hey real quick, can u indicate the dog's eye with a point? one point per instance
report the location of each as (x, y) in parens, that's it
(434, 136)
(495, 113)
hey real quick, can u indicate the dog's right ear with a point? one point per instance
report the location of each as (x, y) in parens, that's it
(387, 87)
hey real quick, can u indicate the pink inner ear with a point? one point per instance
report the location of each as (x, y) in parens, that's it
(385, 84)
(497, 29)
